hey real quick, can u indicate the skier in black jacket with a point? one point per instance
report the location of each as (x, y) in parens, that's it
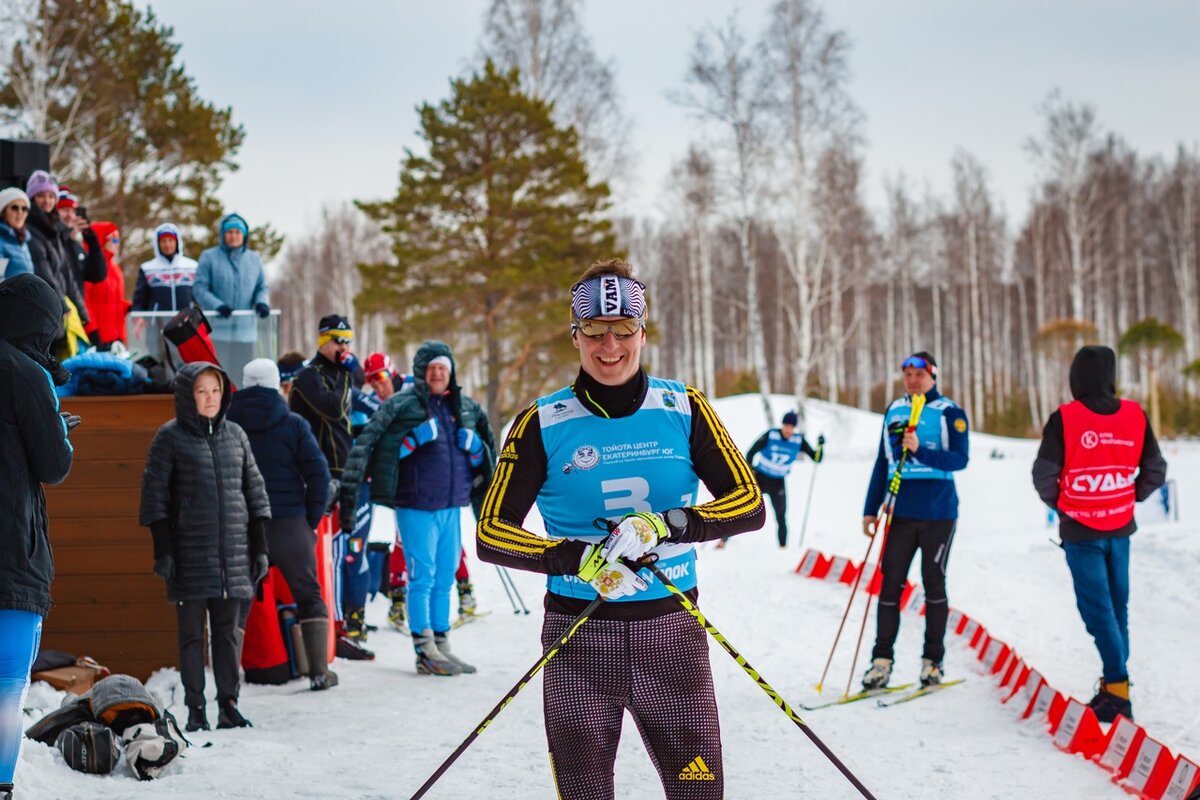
(297, 480)
(34, 449)
(205, 502)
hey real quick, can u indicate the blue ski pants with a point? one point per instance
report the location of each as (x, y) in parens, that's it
(432, 546)
(20, 636)
(1100, 571)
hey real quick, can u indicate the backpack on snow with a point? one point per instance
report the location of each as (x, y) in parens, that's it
(89, 747)
(151, 746)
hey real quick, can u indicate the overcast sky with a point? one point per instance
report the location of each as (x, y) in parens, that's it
(327, 91)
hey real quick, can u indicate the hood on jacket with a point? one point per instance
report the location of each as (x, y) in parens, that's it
(185, 400)
(103, 230)
(221, 236)
(168, 227)
(258, 408)
(425, 353)
(31, 319)
(1094, 373)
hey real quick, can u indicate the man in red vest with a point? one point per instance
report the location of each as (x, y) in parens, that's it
(1098, 456)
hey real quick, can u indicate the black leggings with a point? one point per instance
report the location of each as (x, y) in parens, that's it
(657, 669)
(933, 537)
(774, 489)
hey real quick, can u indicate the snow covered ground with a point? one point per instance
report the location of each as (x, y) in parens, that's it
(385, 729)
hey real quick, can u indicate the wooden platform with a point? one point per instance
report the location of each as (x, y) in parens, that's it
(108, 604)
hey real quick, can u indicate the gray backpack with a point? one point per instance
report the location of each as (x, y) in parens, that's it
(89, 747)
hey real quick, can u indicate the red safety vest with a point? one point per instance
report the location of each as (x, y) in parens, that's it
(1101, 457)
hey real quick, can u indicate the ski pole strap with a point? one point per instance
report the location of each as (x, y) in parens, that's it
(550, 653)
(782, 704)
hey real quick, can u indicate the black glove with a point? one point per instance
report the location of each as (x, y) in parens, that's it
(72, 420)
(262, 309)
(164, 567)
(225, 311)
(820, 440)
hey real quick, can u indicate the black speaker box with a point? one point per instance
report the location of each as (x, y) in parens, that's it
(20, 159)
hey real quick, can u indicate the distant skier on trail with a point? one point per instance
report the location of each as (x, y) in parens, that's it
(926, 513)
(1097, 457)
(621, 445)
(772, 456)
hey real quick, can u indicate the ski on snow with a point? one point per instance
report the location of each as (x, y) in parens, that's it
(923, 691)
(866, 694)
(468, 618)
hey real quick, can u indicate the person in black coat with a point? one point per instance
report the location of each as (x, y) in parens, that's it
(297, 479)
(206, 505)
(34, 449)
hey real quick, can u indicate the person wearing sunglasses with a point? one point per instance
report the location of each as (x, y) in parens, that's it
(323, 393)
(614, 462)
(14, 237)
(925, 515)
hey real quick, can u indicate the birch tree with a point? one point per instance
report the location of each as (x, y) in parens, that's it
(728, 87)
(546, 43)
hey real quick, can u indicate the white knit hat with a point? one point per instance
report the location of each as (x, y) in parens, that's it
(11, 194)
(261, 372)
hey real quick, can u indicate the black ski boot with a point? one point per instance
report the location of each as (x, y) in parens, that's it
(356, 624)
(6, 790)
(197, 720)
(228, 716)
(1112, 699)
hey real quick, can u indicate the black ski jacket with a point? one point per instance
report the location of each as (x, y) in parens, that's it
(321, 394)
(204, 498)
(34, 448)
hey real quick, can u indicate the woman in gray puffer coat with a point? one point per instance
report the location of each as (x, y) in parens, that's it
(205, 502)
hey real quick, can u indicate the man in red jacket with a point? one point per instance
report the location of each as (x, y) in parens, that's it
(1097, 458)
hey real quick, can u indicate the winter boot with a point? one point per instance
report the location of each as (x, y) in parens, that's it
(349, 649)
(316, 646)
(878, 675)
(931, 673)
(1110, 700)
(443, 646)
(228, 716)
(356, 624)
(6, 790)
(398, 613)
(466, 599)
(197, 720)
(430, 660)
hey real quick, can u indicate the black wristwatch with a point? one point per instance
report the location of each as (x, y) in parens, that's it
(677, 522)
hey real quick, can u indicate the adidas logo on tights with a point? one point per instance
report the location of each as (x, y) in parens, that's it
(697, 771)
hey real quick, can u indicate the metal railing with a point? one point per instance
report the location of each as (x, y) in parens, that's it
(239, 339)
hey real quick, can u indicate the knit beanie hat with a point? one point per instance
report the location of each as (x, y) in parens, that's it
(261, 372)
(234, 221)
(790, 418)
(40, 181)
(66, 199)
(333, 326)
(11, 195)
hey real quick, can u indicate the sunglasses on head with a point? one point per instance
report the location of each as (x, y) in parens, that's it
(919, 363)
(621, 329)
(381, 375)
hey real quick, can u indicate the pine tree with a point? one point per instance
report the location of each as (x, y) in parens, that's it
(489, 228)
(101, 81)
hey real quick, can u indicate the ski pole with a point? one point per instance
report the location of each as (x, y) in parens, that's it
(549, 653)
(812, 481)
(886, 510)
(504, 583)
(756, 677)
(870, 543)
(516, 592)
